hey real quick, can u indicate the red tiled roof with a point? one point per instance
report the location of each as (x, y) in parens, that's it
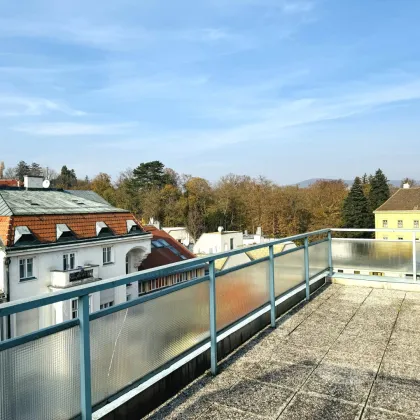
(9, 183)
(5, 228)
(43, 227)
(163, 256)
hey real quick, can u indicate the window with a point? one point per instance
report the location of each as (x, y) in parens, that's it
(385, 224)
(400, 224)
(128, 297)
(400, 238)
(126, 265)
(69, 261)
(416, 224)
(26, 268)
(106, 305)
(356, 272)
(142, 288)
(106, 255)
(74, 308)
(341, 271)
(231, 243)
(385, 238)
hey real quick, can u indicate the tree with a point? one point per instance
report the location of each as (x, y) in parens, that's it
(409, 181)
(356, 213)
(35, 169)
(102, 185)
(325, 202)
(10, 173)
(199, 198)
(379, 190)
(67, 178)
(151, 175)
(22, 169)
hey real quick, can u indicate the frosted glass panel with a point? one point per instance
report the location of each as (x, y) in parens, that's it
(40, 380)
(372, 255)
(129, 344)
(289, 271)
(240, 292)
(318, 258)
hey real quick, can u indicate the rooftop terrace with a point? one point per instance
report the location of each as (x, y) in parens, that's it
(346, 353)
(350, 353)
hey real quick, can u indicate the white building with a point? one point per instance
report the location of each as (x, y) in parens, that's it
(51, 240)
(257, 238)
(213, 242)
(180, 234)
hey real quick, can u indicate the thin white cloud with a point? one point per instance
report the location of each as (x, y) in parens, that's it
(74, 129)
(15, 106)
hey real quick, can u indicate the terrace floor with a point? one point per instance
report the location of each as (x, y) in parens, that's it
(350, 353)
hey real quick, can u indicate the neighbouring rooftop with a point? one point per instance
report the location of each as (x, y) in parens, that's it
(17, 202)
(405, 199)
(350, 353)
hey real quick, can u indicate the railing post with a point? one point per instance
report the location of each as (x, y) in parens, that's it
(330, 261)
(414, 257)
(213, 325)
(272, 288)
(85, 370)
(308, 292)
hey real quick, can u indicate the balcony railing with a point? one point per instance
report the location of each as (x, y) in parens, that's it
(64, 370)
(64, 278)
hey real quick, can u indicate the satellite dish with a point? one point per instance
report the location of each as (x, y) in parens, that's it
(46, 184)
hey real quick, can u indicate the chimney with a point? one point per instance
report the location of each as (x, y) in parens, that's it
(406, 186)
(30, 182)
(220, 229)
(1, 169)
(246, 233)
(259, 231)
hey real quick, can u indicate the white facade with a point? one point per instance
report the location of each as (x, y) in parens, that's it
(46, 273)
(180, 234)
(211, 243)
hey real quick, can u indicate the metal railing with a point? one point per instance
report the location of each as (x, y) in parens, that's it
(377, 257)
(155, 328)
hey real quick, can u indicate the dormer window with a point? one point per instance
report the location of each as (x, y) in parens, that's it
(102, 229)
(64, 233)
(132, 227)
(23, 236)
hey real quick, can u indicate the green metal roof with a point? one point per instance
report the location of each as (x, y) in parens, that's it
(33, 202)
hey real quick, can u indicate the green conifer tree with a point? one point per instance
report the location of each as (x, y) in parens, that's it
(379, 190)
(356, 213)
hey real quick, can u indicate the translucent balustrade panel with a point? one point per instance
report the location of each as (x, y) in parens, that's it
(240, 292)
(372, 255)
(40, 380)
(129, 344)
(289, 271)
(318, 258)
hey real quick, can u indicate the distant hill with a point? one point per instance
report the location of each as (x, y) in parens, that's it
(309, 182)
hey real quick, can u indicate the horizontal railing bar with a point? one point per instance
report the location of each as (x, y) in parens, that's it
(145, 275)
(374, 230)
(241, 266)
(147, 297)
(36, 335)
(379, 240)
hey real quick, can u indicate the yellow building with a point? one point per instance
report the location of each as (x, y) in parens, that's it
(401, 211)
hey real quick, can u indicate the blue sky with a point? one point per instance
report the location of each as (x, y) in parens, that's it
(288, 89)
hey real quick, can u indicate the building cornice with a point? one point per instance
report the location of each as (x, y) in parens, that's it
(40, 249)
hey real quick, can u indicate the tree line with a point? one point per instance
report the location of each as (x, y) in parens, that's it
(236, 202)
